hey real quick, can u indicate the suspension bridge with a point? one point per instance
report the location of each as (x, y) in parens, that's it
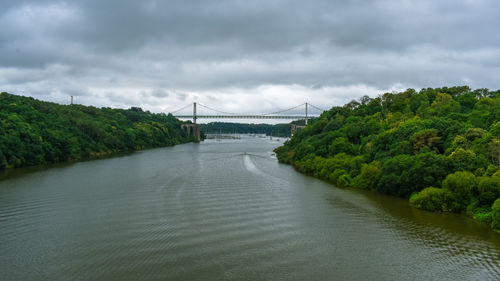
(300, 112)
(288, 114)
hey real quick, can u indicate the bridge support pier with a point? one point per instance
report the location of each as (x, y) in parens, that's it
(295, 128)
(195, 128)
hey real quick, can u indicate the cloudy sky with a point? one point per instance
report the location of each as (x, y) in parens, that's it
(243, 56)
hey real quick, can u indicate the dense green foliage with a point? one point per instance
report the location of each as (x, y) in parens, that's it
(278, 130)
(439, 146)
(495, 215)
(433, 199)
(33, 132)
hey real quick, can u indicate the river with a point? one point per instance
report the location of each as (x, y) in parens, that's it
(223, 210)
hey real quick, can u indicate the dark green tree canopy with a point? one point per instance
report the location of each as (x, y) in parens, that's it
(410, 143)
(34, 132)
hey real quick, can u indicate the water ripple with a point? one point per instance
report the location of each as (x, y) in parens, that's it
(224, 211)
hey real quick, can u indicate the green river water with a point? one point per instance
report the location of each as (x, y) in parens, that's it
(223, 210)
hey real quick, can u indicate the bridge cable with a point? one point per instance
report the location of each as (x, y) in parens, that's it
(312, 105)
(262, 114)
(281, 111)
(181, 108)
(223, 112)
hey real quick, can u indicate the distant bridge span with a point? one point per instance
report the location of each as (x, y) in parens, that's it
(226, 115)
(288, 117)
(195, 128)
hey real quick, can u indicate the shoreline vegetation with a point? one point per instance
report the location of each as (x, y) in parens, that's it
(277, 130)
(439, 148)
(34, 132)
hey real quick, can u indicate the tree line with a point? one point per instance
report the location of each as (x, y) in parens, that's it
(278, 130)
(440, 148)
(34, 132)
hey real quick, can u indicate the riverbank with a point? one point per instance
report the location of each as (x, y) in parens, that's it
(34, 132)
(439, 148)
(485, 218)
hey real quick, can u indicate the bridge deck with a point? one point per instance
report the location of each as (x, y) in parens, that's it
(246, 116)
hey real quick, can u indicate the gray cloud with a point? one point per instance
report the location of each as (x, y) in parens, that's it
(160, 54)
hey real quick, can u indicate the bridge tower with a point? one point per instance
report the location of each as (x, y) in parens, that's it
(306, 113)
(194, 113)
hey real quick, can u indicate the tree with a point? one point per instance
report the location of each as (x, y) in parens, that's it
(425, 139)
(444, 105)
(463, 160)
(367, 179)
(340, 145)
(495, 129)
(489, 190)
(493, 151)
(462, 185)
(352, 105)
(34, 132)
(467, 101)
(418, 101)
(474, 133)
(460, 142)
(412, 143)
(403, 175)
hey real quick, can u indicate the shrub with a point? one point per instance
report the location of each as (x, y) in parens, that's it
(462, 185)
(478, 212)
(433, 199)
(495, 215)
(334, 177)
(368, 177)
(483, 216)
(344, 181)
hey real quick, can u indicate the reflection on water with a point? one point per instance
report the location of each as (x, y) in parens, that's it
(223, 210)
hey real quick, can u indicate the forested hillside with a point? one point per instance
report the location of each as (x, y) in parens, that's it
(34, 132)
(438, 147)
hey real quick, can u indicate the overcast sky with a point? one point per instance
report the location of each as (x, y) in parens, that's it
(243, 56)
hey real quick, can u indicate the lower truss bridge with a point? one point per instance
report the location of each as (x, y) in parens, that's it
(300, 112)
